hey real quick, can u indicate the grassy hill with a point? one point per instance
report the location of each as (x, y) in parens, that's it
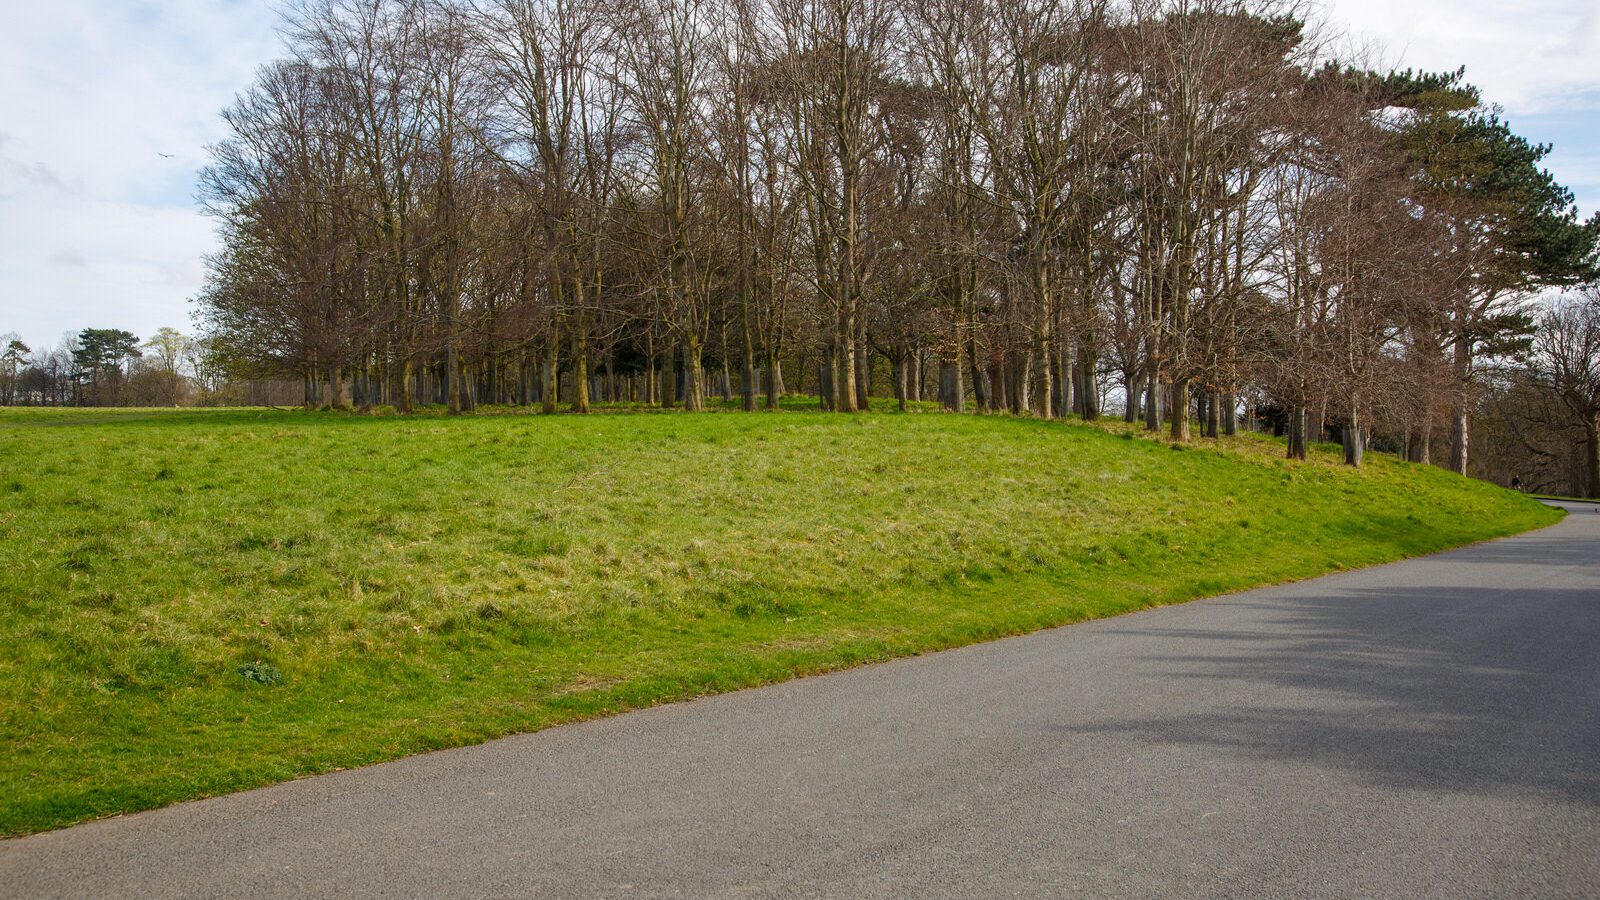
(198, 602)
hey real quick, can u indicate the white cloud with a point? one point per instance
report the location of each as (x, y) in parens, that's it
(1538, 59)
(97, 228)
(70, 259)
(99, 263)
(1532, 56)
(17, 176)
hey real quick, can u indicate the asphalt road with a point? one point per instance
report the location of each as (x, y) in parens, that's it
(1430, 728)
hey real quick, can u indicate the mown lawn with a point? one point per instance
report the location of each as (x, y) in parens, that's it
(203, 601)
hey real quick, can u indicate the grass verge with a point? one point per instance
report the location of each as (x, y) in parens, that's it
(198, 602)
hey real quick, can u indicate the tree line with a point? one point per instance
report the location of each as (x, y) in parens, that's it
(1540, 413)
(1188, 210)
(109, 367)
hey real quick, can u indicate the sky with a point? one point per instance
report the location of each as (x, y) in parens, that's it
(107, 106)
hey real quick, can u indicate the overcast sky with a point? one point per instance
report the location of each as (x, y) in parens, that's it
(98, 228)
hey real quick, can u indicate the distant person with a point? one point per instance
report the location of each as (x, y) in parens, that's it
(1516, 483)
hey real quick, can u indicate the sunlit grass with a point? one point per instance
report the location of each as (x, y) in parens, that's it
(426, 582)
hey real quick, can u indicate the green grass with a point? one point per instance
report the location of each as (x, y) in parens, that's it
(198, 601)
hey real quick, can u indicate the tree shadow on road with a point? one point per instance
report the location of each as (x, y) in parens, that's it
(1404, 686)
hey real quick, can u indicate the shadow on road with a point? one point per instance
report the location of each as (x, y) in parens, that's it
(1401, 686)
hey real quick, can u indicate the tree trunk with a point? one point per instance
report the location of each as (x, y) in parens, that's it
(1458, 411)
(1132, 389)
(1458, 437)
(902, 380)
(1298, 422)
(552, 370)
(403, 399)
(774, 381)
(1088, 391)
(452, 377)
(1354, 441)
(842, 389)
(1064, 376)
(1046, 385)
(1152, 400)
(949, 378)
(335, 388)
(1024, 384)
(863, 371)
(1180, 409)
(1592, 456)
(668, 382)
(1425, 441)
(748, 387)
(980, 390)
(694, 398)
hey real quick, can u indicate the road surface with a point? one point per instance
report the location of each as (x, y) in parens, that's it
(1430, 728)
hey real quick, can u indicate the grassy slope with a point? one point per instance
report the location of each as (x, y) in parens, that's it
(423, 583)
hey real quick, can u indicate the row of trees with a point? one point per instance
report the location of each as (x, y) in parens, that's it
(1186, 208)
(1541, 413)
(107, 367)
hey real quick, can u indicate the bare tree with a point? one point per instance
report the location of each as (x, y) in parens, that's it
(1566, 360)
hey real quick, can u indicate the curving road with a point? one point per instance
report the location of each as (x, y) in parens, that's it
(1430, 728)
